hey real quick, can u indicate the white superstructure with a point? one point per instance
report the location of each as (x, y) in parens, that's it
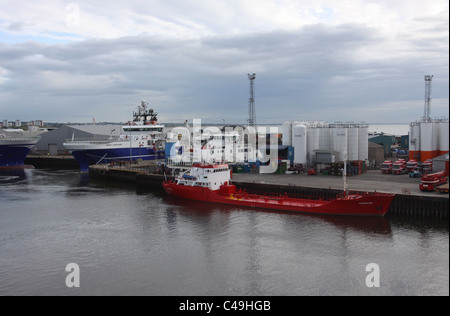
(205, 176)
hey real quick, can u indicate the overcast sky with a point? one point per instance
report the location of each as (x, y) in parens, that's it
(346, 60)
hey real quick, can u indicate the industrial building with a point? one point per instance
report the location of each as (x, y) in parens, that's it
(441, 163)
(387, 141)
(52, 141)
(376, 154)
(322, 142)
(428, 138)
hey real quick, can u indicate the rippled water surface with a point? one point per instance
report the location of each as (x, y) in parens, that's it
(128, 242)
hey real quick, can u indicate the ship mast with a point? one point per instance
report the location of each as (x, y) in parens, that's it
(344, 175)
(144, 114)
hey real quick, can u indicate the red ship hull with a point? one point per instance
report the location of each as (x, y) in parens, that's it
(369, 204)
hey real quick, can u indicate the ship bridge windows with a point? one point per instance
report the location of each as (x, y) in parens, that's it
(221, 170)
(143, 129)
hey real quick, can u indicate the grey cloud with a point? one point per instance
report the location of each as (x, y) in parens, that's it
(299, 73)
(16, 26)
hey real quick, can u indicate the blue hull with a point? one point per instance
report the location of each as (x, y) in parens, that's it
(13, 156)
(85, 158)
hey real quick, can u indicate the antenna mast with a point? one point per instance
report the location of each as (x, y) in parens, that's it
(427, 109)
(251, 103)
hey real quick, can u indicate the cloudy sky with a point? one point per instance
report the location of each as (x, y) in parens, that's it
(346, 60)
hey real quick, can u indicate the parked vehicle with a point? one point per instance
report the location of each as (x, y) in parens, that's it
(416, 173)
(443, 188)
(399, 167)
(427, 166)
(312, 171)
(430, 182)
(386, 167)
(411, 164)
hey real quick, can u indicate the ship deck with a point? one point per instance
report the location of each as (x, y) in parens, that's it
(270, 200)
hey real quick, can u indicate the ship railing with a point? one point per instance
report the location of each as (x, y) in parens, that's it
(20, 139)
(179, 163)
(134, 167)
(92, 140)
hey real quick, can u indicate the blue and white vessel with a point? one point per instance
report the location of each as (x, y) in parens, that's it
(14, 149)
(141, 139)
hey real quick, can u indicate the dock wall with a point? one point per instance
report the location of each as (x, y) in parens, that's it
(52, 162)
(403, 204)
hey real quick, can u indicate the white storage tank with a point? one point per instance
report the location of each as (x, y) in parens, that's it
(443, 138)
(363, 142)
(426, 141)
(352, 141)
(414, 141)
(339, 137)
(287, 133)
(435, 139)
(299, 140)
(325, 138)
(312, 142)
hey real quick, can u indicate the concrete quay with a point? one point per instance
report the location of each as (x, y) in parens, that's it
(371, 181)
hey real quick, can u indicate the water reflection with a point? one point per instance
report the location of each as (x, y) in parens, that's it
(9, 176)
(264, 244)
(376, 225)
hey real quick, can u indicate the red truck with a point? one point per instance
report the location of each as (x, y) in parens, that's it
(411, 165)
(427, 166)
(399, 167)
(431, 181)
(386, 167)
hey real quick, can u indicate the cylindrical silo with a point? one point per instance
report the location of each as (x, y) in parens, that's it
(443, 138)
(299, 141)
(414, 141)
(352, 141)
(339, 138)
(435, 139)
(312, 142)
(325, 138)
(287, 134)
(426, 141)
(363, 142)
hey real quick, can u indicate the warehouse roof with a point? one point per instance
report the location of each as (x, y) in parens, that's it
(107, 130)
(443, 157)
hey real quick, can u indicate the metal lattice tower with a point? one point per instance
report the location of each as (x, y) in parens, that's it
(427, 108)
(251, 101)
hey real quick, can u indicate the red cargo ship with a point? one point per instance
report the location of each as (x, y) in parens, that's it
(211, 183)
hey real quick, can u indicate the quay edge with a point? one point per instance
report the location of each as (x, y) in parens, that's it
(411, 205)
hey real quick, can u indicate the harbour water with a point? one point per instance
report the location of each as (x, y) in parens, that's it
(128, 242)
